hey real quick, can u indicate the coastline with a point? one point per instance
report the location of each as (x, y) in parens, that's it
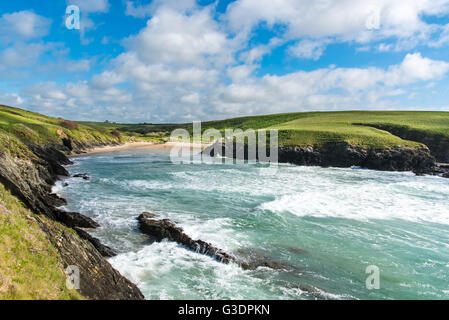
(139, 146)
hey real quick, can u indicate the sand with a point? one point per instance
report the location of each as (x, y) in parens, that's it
(141, 145)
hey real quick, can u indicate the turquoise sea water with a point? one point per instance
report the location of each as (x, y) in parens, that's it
(325, 225)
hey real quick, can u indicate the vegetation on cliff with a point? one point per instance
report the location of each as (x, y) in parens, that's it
(363, 129)
(20, 128)
(29, 264)
(37, 243)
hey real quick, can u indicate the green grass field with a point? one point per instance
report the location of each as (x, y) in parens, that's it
(19, 128)
(317, 128)
(295, 129)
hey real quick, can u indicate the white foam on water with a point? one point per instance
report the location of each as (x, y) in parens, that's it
(166, 270)
(169, 271)
(408, 200)
(57, 188)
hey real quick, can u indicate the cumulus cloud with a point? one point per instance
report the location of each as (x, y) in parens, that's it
(22, 55)
(182, 95)
(90, 6)
(187, 64)
(176, 38)
(23, 25)
(341, 20)
(308, 49)
(138, 10)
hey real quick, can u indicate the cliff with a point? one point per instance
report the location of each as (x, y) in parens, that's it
(31, 160)
(342, 154)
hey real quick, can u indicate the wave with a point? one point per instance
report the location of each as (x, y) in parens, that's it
(411, 201)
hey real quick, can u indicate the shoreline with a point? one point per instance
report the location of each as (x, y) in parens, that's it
(139, 145)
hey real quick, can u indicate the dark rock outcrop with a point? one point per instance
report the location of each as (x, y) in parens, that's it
(30, 179)
(84, 176)
(166, 229)
(105, 251)
(438, 144)
(344, 155)
(74, 219)
(98, 279)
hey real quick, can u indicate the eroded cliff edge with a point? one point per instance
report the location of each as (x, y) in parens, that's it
(30, 175)
(343, 155)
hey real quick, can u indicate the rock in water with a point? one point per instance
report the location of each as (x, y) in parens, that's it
(166, 229)
(82, 175)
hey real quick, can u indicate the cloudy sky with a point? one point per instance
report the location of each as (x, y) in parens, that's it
(185, 60)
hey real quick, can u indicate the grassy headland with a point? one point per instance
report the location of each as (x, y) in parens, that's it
(358, 128)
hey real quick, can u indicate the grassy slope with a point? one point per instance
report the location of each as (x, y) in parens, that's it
(29, 267)
(316, 128)
(19, 128)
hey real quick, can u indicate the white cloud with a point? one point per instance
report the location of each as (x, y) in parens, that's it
(11, 99)
(193, 98)
(22, 55)
(159, 94)
(343, 20)
(87, 8)
(185, 64)
(90, 6)
(416, 68)
(175, 38)
(137, 10)
(308, 49)
(23, 25)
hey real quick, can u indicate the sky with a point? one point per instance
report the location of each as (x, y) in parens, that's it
(185, 60)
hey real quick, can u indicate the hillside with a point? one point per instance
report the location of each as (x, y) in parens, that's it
(364, 129)
(38, 241)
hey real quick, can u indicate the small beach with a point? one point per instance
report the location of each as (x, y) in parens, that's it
(139, 146)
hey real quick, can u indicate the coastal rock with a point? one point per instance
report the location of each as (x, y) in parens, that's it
(147, 215)
(98, 279)
(344, 155)
(437, 143)
(166, 229)
(30, 178)
(255, 258)
(74, 219)
(104, 250)
(84, 176)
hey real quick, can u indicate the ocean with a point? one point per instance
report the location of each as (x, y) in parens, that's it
(327, 227)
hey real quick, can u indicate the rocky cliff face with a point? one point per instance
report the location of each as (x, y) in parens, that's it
(437, 143)
(31, 179)
(344, 155)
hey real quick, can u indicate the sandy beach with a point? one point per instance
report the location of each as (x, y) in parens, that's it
(141, 145)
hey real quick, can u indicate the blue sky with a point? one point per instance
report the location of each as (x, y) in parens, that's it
(185, 60)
